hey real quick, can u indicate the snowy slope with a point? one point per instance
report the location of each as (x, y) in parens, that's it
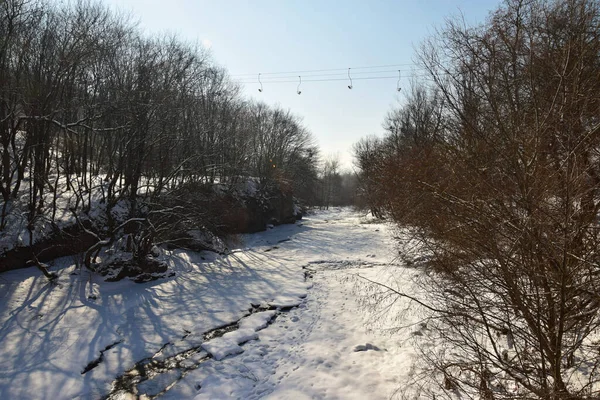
(50, 333)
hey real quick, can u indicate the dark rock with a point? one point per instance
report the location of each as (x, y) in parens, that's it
(140, 270)
(366, 347)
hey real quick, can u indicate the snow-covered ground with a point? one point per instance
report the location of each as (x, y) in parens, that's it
(333, 342)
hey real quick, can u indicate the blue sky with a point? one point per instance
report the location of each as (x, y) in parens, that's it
(263, 36)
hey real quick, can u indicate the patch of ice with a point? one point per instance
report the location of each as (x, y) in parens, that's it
(285, 302)
(241, 335)
(258, 320)
(229, 343)
(220, 348)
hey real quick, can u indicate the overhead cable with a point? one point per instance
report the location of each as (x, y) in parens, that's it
(325, 70)
(248, 81)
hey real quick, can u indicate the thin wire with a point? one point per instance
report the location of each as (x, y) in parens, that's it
(328, 79)
(342, 79)
(273, 78)
(324, 70)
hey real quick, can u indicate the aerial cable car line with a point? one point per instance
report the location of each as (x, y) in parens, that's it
(325, 70)
(321, 80)
(265, 81)
(272, 78)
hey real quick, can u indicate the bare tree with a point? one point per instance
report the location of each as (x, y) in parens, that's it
(504, 196)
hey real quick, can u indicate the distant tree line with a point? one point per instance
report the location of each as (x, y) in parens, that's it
(84, 95)
(493, 164)
(336, 187)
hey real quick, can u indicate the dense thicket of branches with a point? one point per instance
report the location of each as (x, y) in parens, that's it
(83, 94)
(494, 164)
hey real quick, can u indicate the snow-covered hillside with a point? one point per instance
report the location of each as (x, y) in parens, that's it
(285, 315)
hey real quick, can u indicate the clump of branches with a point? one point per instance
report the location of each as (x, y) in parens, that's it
(89, 104)
(494, 166)
(94, 113)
